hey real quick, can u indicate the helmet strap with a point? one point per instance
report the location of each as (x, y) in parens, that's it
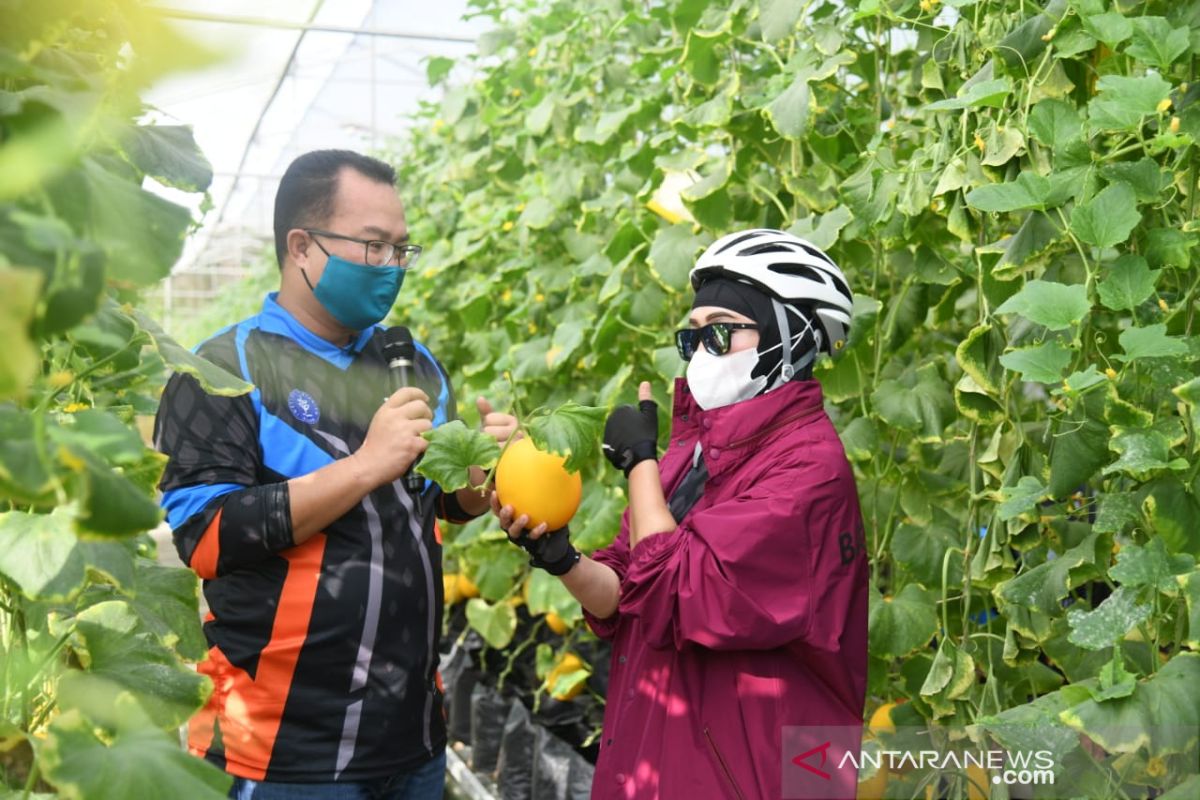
(788, 370)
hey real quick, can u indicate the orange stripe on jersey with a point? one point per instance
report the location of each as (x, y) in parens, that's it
(208, 549)
(437, 532)
(250, 709)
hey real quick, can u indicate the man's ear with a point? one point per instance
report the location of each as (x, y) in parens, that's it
(297, 246)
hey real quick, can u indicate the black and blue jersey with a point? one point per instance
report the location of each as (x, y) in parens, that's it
(323, 656)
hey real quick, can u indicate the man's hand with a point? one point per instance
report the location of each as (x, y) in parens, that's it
(394, 438)
(631, 434)
(500, 427)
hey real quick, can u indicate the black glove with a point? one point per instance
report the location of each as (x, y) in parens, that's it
(631, 435)
(552, 551)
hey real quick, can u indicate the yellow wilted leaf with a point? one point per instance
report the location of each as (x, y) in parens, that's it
(62, 378)
(664, 212)
(70, 460)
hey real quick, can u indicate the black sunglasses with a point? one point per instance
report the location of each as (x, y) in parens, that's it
(716, 337)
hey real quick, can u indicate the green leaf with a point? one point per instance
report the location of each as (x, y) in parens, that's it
(437, 68)
(778, 18)
(453, 449)
(1117, 511)
(1053, 305)
(138, 254)
(170, 155)
(822, 231)
(1188, 392)
(548, 594)
(1122, 102)
(899, 625)
(1111, 28)
(1150, 341)
(951, 676)
(1161, 715)
(1143, 452)
(570, 430)
(166, 601)
(495, 623)
(1172, 511)
(1079, 450)
(788, 112)
(673, 253)
(115, 646)
(214, 379)
(23, 475)
(1043, 363)
(495, 564)
(44, 558)
(539, 213)
(921, 550)
(19, 291)
(977, 356)
(567, 338)
(537, 121)
(1108, 622)
(1190, 586)
(1056, 124)
(1129, 283)
(924, 407)
(606, 126)
(102, 434)
(111, 504)
(1022, 498)
(1156, 41)
(1028, 191)
(1042, 588)
(991, 93)
(1108, 218)
(1148, 180)
(1168, 247)
(131, 758)
(1151, 566)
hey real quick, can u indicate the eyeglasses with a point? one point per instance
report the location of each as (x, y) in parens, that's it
(716, 337)
(376, 253)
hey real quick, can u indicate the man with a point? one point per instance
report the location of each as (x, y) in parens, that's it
(321, 571)
(735, 593)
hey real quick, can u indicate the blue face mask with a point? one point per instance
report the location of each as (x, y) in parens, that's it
(357, 295)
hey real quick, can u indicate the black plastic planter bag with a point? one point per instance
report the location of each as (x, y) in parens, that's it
(488, 713)
(515, 769)
(459, 694)
(559, 773)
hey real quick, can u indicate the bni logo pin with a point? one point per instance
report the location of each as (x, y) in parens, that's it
(303, 407)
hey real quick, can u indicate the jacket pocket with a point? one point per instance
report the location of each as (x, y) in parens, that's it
(712, 745)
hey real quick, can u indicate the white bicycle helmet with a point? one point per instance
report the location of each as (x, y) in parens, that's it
(790, 270)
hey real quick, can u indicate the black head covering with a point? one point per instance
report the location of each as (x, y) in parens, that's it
(751, 302)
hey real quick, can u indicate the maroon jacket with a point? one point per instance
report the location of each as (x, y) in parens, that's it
(748, 618)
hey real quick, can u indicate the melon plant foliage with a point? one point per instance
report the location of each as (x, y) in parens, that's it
(96, 639)
(1010, 188)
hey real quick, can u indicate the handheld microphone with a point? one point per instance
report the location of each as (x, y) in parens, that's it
(400, 352)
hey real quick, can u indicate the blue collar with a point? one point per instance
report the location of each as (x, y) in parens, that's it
(276, 319)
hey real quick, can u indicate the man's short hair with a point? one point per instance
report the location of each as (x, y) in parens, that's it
(307, 190)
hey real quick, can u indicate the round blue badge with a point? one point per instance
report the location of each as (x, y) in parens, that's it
(304, 407)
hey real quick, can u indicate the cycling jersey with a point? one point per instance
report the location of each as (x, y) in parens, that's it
(323, 656)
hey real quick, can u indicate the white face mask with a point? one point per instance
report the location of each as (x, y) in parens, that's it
(718, 381)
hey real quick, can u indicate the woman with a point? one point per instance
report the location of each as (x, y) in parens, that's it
(735, 595)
